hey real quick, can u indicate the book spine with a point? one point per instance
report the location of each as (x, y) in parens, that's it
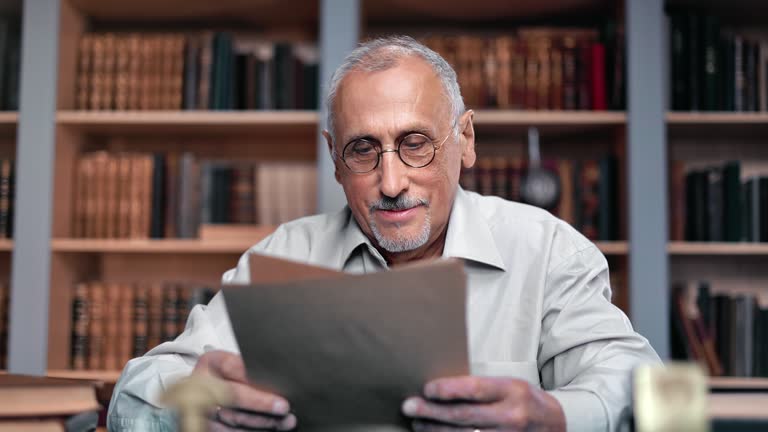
(80, 326)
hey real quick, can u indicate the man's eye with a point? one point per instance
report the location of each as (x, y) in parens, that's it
(414, 142)
(363, 148)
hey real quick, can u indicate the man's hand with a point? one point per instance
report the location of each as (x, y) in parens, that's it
(471, 403)
(253, 409)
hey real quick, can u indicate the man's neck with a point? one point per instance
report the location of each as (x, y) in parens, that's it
(432, 249)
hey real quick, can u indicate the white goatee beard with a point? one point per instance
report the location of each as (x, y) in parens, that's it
(399, 242)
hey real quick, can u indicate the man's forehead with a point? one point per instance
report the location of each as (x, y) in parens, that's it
(410, 94)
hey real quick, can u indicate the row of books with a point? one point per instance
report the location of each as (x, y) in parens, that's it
(716, 204)
(200, 71)
(10, 62)
(588, 197)
(169, 195)
(723, 331)
(113, 322)
(538, 68)
(715, 69)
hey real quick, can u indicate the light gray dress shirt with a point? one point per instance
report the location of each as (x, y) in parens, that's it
(538, 309)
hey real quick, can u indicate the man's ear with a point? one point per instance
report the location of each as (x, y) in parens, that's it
(467, 139)
(329, 140)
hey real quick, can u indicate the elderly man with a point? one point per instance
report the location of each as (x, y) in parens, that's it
(548, 350)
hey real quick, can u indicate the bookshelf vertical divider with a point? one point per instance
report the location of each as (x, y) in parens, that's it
(647, 173)
(30, 283)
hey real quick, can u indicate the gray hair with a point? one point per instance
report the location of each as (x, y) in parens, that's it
(382, 54)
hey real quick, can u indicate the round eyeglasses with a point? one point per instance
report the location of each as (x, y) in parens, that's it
(415, 150)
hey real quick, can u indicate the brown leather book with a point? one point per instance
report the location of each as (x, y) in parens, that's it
(155, 315)
(111, 198)
(80, 322)
(178, 42)
(122, 72)
(124, 195)
(206, 65)
(566, 207)
(111, 326)
(135, 60)
(170, 305)
(569, 74)
(503, 82)
(490, 72)
(84, 72)
(148, 166)
(107, 98)
(485, 175)
(96, 91)
(543, 50)
(531, 76)
(96, 330)
(125, 337)
(172, 162)
(677, 201)
(517, 69)
(146, 73)
(140, 319)
(100, 162)
(556, 90)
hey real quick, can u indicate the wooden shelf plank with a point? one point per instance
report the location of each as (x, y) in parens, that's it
(613, 248)
(738, 383)
(189, 121)
(544, 118)
(292, 13)
(719, 118)
(106, 376)
(707, 248)
(170, 246)
(6, 245)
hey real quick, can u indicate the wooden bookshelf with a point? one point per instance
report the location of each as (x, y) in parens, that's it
(210, 122)
(613, 247)
(8, 122)
(6, 245)
(717, 248)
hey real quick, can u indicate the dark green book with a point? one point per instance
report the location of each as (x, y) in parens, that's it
(733, 201)
(678, 61)
(693, 56)
(284, 76)
(711, 66)
(607, 199)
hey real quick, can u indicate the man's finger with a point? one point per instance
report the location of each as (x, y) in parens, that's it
(239, 419)
(454, 414)
(465, 388)
(250, 399)
(427, 426)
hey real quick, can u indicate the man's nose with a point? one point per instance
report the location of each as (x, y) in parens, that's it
(394, 174)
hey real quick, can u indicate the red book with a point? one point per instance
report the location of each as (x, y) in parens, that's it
(597, 77)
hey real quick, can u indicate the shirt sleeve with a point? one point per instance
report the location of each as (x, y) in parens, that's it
(588, 349)
(135, 403)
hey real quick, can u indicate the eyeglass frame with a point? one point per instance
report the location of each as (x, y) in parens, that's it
(380, 150)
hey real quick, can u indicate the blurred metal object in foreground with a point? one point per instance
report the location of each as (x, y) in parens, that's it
(670, 398)
(194, 397)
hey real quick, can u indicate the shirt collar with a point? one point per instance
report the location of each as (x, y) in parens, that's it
(469, 236)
